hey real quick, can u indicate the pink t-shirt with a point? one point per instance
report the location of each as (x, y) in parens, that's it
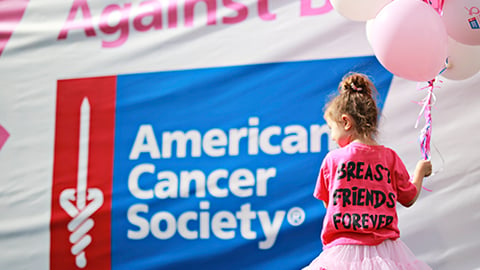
(361, 185)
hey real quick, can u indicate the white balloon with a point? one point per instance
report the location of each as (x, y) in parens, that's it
(359, 10)
(463, 60)
(369, 30)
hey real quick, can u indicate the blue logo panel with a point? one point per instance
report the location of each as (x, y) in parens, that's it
(215, 167)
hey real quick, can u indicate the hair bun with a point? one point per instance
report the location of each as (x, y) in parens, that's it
(356, 82)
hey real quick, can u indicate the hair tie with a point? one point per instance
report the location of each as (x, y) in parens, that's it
(358, 89)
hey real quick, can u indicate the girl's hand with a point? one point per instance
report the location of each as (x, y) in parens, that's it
(424, 168)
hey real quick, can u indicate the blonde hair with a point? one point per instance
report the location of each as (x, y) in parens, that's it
(356, 99)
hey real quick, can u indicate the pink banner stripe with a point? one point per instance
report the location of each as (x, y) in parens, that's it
(11, 13)
(3, 136)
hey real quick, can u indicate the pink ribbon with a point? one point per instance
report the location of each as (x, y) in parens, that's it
(426, 132)
(436, 4)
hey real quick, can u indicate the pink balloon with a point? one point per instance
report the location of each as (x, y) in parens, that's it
(462, 20)
(410, 40)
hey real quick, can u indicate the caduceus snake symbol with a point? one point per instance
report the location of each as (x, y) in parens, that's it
(87, 200)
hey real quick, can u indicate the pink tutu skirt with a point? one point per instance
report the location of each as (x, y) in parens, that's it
(389, 255)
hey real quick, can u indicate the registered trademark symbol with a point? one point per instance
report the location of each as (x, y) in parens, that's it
(296, 216)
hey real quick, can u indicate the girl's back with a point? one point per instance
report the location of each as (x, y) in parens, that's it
(365, 182)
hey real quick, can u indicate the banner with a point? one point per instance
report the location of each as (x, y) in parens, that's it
(189, 134)
(229, 174)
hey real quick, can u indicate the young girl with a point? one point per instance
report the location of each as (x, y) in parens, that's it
(360, 184)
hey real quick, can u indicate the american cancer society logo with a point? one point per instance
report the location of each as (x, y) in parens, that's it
(172, 170)
(82, 176)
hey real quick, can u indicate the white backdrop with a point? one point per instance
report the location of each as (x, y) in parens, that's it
(441, 228)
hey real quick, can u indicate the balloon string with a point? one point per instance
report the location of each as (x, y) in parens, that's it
(441, 159)
(426, 132)
(428, 102)
(440, 169)
(445, 67)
